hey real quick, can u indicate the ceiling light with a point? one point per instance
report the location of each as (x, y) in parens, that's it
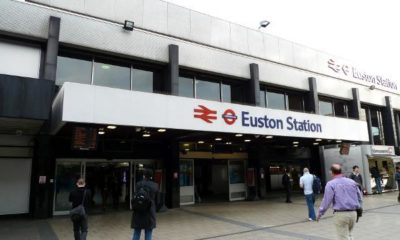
(186, 144)
(218, 139)
(315, 143)
(247, 140)
(318, 140)
(295, 145)
(338, 141)
(295, 142)
(111, 127)
(239, 135)
(105, 67)
(228, 143)
(146, 135)
(187, 149)
(101, 132)
(128, 25)
(161, 130)
(200, 142)
(269, 137)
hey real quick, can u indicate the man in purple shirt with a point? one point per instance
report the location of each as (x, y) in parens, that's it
(345, 196)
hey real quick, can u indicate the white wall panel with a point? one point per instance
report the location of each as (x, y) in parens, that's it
(155, 15)
(19, 60)
(286, 51)
(271, 45)
(220, 33)
(15, 178)
(129, 10)
(74, 5)
(256, 43)
(239, 38)
(178, 21)
(304, 58)
(100, 8)
(200, 25)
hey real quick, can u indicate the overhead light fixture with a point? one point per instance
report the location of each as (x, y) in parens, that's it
(269, 137)
(247, 140)
(187, 149)
(146, 135)
(315, 143)
(186, 144)
(161, 130)
(239, 135)
(318, 140)
(338, 141)
(111, 127)
(264, 24)
(295, 142)
(295, 146)
(200, 142)
(101, 132)
(218, 139)
(372, 87)
(228, 143)
(129, 25)
(105, 67)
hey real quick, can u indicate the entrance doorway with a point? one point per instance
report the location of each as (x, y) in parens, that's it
(109, 181)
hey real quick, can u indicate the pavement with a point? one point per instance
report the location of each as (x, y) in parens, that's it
(264, 219)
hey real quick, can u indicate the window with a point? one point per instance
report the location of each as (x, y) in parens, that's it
(207, 90)
(296, 102)
(263, 98)
(73, 70)
(185, 87)
(374, 120)
(341, 109)
(110, 75)
(142, 80)
(325, 108)
(276, 100)
(226, 93)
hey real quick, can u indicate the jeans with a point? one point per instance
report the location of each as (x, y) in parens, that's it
(310, 199)
(81, 228)
(378, 185)
(147, 234)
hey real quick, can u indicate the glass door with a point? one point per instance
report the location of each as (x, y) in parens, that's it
(186, 181)
(237, 186)
(67, 173)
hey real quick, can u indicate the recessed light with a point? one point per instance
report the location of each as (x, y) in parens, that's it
(338, 141)
(315, 143)
(111, 127)
(318, 140)
(218, 139)
(104, 66)
(186, 144)
(101, 132)
(295, 145)
(228, 143)
(200, 142)
(146, 135)
(247, 140)
(269, 137)
(295, 142)
(161, 130)
(187, 149)
(239, 135)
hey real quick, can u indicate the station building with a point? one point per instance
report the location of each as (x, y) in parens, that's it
(217, 110)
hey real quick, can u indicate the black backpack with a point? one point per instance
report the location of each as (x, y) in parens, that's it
(316, 186)
(141, 201)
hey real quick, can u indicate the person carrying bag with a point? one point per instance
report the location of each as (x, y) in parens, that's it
(79, 198)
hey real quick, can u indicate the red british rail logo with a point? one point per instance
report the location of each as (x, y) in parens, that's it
(205, 114)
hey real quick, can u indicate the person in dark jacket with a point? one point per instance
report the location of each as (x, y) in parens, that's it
(287, 183)
(397, 177)
(378, 179)
(76, 198)
(356, 176)
(145, 220)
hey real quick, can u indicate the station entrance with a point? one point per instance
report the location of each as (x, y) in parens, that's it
(109, 182)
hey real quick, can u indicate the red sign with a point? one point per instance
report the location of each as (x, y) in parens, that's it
(205, 114)
(229, 116)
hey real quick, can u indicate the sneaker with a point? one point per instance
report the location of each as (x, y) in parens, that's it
(310, 219)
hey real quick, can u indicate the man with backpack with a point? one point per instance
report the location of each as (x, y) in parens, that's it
(80, 198)
(144, 207)
(306, 182)
(316, 185)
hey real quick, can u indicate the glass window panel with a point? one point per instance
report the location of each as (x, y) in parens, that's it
(207, 90)
(186, 173)
(296, 102)
(276, 100)
(325, 108)
(226, 93)
(111, 75)
(236, 172)
(262, 99)
(73, 70)
(186, 87)
(142, 80)
(341, 109)
(377, 127)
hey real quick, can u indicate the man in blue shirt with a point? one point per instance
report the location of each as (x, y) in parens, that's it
(306, 182)
(345, 197)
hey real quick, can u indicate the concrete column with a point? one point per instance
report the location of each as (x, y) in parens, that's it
(173, 70)
(50, 67)
(389, 123)
(313, 101)
(355, 105)
(254, 85)
(172, 175)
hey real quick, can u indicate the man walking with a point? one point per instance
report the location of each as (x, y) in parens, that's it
(287, 183)
(346, 198)
(144, 208)
(356, 176)
(79, 196)
(378, 179)
(306, 182)
(398, 181)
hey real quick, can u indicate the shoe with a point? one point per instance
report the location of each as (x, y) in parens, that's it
(311, 220)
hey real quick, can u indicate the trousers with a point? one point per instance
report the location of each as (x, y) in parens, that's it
(344, 223)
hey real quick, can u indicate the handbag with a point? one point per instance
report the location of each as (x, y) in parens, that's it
(78, 212)
(359, 213)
